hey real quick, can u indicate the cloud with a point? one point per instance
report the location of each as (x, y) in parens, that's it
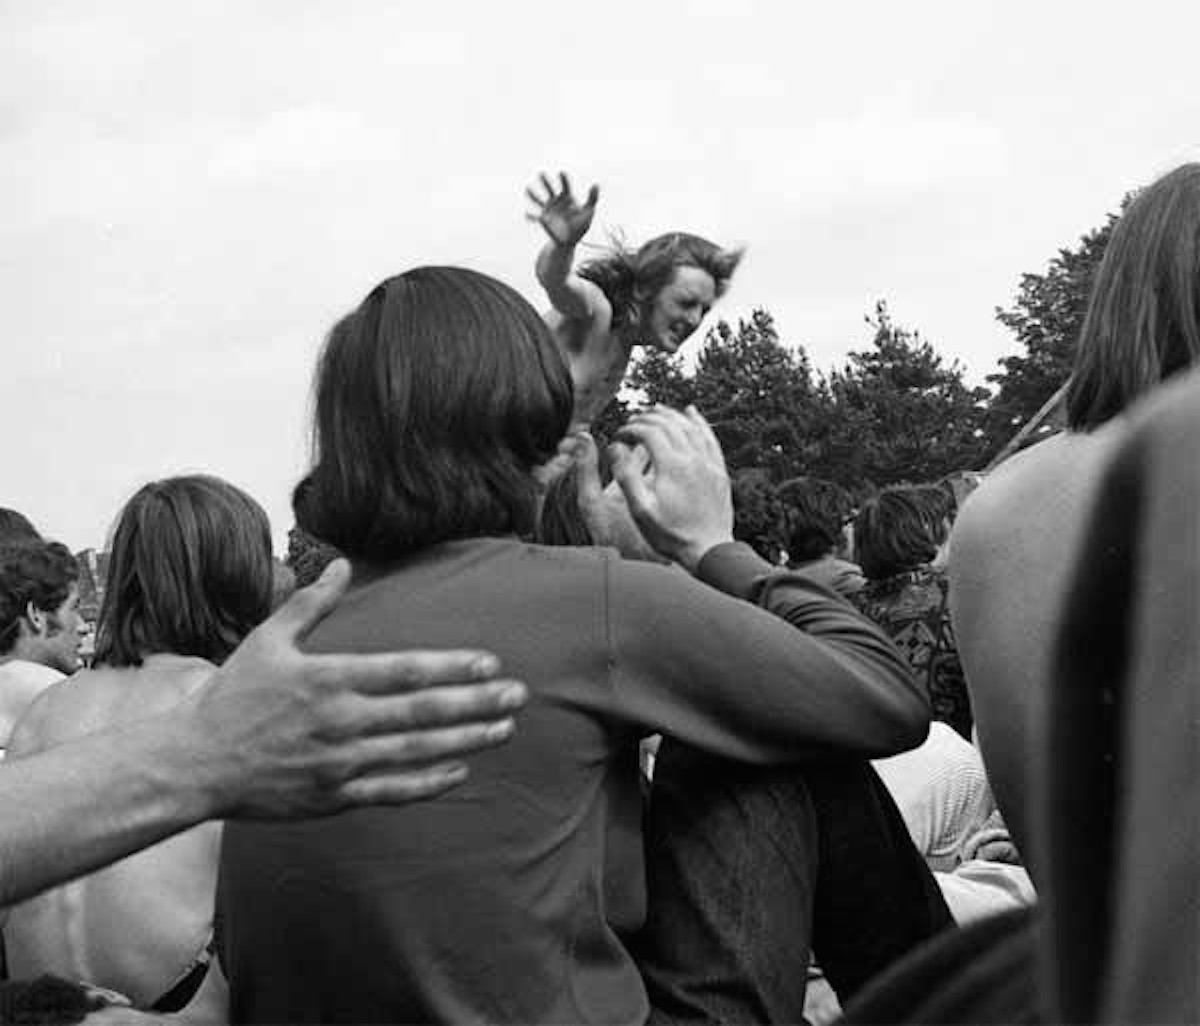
(305, 141)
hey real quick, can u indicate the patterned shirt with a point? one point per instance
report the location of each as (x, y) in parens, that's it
(914, 610)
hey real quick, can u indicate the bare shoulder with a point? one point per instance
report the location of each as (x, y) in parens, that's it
(1047, 480)
(585, 333)
(1021, 525)
(164, 680)
(35, 728)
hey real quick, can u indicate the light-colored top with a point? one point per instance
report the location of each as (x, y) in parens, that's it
(136, 926)
(942, 793)
(20, 683)
(1012, 554)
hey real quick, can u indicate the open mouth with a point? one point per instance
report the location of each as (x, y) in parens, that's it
(675, 336)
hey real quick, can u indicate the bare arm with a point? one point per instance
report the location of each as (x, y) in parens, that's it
(566, 222)
(274, 733)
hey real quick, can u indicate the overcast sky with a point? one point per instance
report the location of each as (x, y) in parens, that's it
(191, 193)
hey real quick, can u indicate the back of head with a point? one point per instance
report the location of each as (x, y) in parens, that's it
(630, 279)
(939, 500)
(189, 572)
(1143, 317)
(15, 527)
(894, 532)
(814, 514)
(435, 400)
(32, 572)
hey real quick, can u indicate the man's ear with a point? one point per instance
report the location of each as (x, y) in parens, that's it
(36, 618)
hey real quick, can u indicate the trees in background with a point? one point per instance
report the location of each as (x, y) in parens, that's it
(897, 411)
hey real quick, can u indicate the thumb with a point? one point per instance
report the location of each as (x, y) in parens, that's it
(587, 467)
(308, 606)
(629, 471)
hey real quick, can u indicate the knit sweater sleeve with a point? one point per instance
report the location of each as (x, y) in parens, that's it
(755, 664)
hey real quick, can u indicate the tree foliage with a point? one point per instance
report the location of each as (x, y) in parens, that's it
(898, 412)
(758, 393)
(1046, 316)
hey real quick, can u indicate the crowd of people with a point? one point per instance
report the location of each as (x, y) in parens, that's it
(550, 744)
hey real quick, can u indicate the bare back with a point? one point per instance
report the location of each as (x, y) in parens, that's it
(1012, 554)
(135, 926)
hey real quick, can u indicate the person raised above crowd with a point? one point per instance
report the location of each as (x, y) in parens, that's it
(509, 901)
(653, 296)
(1015, 543)
(189, 576)
(41, 629)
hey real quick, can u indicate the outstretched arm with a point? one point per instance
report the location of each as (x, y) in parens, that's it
(274, 732)
(566, 222)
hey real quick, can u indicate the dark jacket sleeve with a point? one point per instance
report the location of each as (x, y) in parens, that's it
(756, 664)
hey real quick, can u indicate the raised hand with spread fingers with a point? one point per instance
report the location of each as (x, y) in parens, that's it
(565, 220)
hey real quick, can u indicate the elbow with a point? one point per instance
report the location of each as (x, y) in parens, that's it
(912, 725)
(906, 714)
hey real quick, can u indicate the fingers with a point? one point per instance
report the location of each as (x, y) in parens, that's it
(629, 471)
(437, 708)
(411, 749)
(560, 194)
(560, 462)
(388, 672)
(659, 432)
(308, 606)
(587, 463)
(399, 788)
(664, 430)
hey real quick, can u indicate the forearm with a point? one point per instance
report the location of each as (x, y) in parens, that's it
(77, 807)
(866, 684)
(554, 272)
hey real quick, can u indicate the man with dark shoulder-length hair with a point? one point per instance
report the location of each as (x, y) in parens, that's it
(40, 626)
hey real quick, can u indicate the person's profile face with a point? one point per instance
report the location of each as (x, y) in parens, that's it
(64, 632)
(680, 306)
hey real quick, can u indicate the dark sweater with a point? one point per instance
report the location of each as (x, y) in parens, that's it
(502, 900)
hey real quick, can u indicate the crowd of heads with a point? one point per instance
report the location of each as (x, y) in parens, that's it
(442, 394)
(399, 466)
(886, 531)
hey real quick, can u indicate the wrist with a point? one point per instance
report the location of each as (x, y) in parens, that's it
(691, 555)
(197, 770)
